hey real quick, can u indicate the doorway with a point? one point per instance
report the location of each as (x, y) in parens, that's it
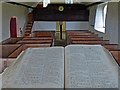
(13, 27)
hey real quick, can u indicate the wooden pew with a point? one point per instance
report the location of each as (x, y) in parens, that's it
(35, 42)
(71, 34)
(7, 49)
(42, 34)
(116, 55)
(37, 38)
(25, 46)
(91, 42)
(111, 47)
(11, 40)
(16, 53)
(86, 38)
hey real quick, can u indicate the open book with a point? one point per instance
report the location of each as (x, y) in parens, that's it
(75, 66)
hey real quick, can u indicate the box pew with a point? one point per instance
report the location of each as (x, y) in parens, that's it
(6, 50)
(116, 55)
(37, 38)
(42, 34)
(86, 38)
(25, 46)
(111, 47)
(80, 31)
(80, 34)
(16, 53)
(35, 42)
(91, 42)
(11, 40)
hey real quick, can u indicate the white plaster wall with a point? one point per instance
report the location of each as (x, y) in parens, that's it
(112, 22)
(44, 26)
(51, 26)
(92, 14)
(119, 25)
(83, 25)
(0, 22)
(9, 10)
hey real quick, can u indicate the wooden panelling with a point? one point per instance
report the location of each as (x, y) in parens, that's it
(42, 34)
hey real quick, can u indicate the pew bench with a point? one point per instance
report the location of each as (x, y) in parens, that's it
(42, 34)
(83, 36)
(11, 40)
(91, 42)
(37, 38)
(111, 47)
(35, 42)
(86, 38)
(7, 49)
(116, 55)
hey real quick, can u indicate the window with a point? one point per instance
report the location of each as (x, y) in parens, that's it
(104, 15)
(69, 1)
(45, 3)
(101, 17)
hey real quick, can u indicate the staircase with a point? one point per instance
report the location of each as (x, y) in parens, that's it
(29, 25)
(87, 37)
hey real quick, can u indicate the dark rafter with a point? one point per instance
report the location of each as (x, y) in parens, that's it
(21, 4)
(95, 3)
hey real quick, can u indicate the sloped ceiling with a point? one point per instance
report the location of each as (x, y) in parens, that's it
(34, 3)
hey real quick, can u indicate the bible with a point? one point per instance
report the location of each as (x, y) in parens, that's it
(73, 66)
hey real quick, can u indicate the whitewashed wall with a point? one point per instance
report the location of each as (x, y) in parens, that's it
(77, 25)
(9, 10)
(119, 25)
(112, 22)
(44, 26)
(51, 26)
(0, 22)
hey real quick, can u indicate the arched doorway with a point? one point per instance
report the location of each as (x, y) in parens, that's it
(13, 27)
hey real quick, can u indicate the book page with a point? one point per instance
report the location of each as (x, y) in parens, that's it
(89, 66)
(38, 68)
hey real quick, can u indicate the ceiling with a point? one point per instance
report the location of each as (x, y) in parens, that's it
(33, 3)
